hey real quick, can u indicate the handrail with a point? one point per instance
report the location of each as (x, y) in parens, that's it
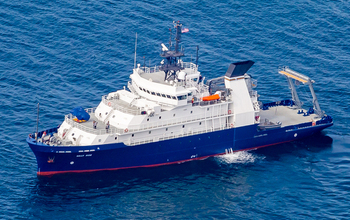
(115, 106)
(132, 142)
(189, 65)
(70, 121)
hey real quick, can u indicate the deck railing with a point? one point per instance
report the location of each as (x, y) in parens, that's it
(189, 65)
(170, 122)
(132, 142)
(112, 102)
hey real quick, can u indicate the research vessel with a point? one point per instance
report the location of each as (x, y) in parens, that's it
(171, 114)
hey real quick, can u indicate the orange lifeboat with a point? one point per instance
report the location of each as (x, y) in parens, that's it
(211, 97)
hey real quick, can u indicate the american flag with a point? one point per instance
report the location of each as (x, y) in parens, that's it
(185, 30)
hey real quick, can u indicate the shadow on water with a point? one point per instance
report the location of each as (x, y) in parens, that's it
(122, 180)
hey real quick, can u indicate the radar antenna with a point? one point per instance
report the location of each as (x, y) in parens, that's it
(172, 64)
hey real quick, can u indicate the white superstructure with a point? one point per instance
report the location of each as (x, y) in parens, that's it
(155, 108)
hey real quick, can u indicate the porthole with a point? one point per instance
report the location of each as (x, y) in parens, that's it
(106, 113)
(149, 132)
(191, 112)
(132, 135)
(200, 123)
(113, 116)
(147, 119)
(166, 129)
(115, 138)
(207, 109)
(160, 117)
(183, 126)
(72, 134)
(174, 115)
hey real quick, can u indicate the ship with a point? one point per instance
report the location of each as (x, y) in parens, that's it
(170, 114)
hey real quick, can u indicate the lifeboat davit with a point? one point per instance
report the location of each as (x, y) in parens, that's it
(211, 97)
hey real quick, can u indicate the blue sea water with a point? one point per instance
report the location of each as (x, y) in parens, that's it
(69, 53)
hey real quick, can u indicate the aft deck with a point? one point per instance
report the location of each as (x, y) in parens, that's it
(286, 115)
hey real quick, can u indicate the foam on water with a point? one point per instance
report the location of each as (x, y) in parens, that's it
(240, 157)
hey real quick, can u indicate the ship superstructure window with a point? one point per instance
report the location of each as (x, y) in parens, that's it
(182, 97)
(161, 95)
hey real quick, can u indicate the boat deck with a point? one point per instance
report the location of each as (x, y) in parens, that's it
(286, 115)
(122, 106)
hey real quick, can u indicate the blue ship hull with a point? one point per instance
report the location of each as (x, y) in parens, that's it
(60, 159)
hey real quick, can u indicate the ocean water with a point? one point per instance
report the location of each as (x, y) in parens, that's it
(69, 53)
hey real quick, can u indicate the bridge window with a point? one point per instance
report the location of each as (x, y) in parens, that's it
(168, 96)
(173, 97)
(148, 91)
(163, 96)
(182, 97)
(158, 94)
(153, 93)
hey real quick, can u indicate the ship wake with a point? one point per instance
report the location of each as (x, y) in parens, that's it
(241, 157)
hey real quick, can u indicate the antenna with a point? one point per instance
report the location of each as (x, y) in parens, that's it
(197, 56)
(37, 123)
(170, 39)
(144, 63)
(135, 51)
(178, 35)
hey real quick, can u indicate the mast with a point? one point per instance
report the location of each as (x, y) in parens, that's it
(135, 51)
(37, 123)
(172, 66)
(197, 56)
